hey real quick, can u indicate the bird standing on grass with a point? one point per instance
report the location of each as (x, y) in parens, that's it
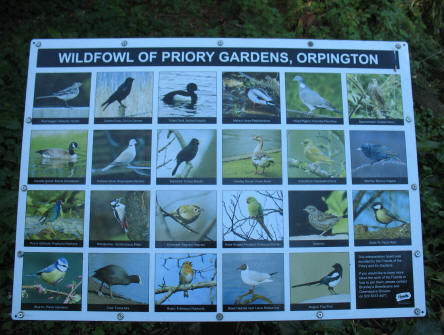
(52, 213)
(58, 153)
(54, 273)
(186, 275)
(187, 153)
(311, 98)
(384, 216)
(114, 275)
(377, 152)
(256, 212)
(331, 280)
(260, 158)
(120, 94)
(313, 153)
(254, 278)
(66, 94)
(119, 213)
(321, 221)
(125, 157)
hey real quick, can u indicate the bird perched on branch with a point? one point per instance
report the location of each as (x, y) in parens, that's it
(256, 212)
(331, 280)
(185, 214)
(377, 152)
(187, 153)
(260, 158)
(254, 278)
(188, 96)
(321, 221)
(375, 93)
(186, 275)
(119, 213)
(114, 275)
(66, 94)
(120, 94)
(52, 213)
(125, 157)
(58, 153)
(311, 98)
(384, 216)
(54, 273)
(313, 153)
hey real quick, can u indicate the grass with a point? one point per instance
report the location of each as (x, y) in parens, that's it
(243, 168)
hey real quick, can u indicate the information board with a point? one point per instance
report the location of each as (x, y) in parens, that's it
(218, 180)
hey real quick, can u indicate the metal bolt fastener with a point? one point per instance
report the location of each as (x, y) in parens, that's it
(417, 311)
(220, 43)
(219, 316)
(24, 188)
(38, 44)
(20, 315)
(408, 119)
(28, 119)
(120, 316)
(414, 187)
(124, 43)
(310, 43)
(20, 253)
(417, 253)
(398, 46)
(319, 314)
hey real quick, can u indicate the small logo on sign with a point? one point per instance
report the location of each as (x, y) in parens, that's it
(403, 296)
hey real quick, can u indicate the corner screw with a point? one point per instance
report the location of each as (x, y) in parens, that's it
(408, 119)
(398, 46)
(124, 43)
(417, 253)
(220, 43)
(219, 316)
(24, 188)
(120, 316)
(414, 187)
(28, 120)
(20, 315)
(417, 311)
(310, 43)
(319, 314)
(38, 44)
(20, 253)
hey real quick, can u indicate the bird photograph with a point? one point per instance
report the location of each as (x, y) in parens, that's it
(251, 153)
(58, 154)
(185, 279)
(61, 95)
(326, 282)
(250, 96)
(117, 279)
(186, 153)
(313, 95)
(374, 96)
(186, 216)
(318, 216)
(187, 95)
(381, 215)
(378, 154)
(316, 154)
(52, 278)
(121, 154)
(54, 215)
(252, 216)
(117, 216)
(253, 279)
(124, 95)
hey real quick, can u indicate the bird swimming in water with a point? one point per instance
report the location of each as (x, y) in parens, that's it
(256, 212)
(187, 153)
(186, 275)
(54, 273)
(188, 96)
(120, 94)
(114, 275)
(60, 154)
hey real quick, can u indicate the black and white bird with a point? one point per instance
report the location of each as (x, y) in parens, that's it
(311, 98)
(125, 157)
(58, 153)
(188, 96)
(187, 153)
(119, 213)
(66, 94)
(331, 280)
(120, 94)
(259, 97)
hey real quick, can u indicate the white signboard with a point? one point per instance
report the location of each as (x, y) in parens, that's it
(206, 179)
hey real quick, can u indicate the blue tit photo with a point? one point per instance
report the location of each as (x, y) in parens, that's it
(54, 273)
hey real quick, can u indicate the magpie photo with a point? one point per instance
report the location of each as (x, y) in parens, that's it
(331, 280)
(120, 94)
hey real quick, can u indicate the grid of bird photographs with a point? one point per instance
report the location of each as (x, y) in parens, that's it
(121, 157)
(253, 219)
(318, 218)
(54, 218)
(185, 282)
(118, 282)
(61, 98)
(186, 220)
(187, 97)
(251, 97)
(52, 281)
(119, 219)
(124, 97)
(313, 98)
(240, 198)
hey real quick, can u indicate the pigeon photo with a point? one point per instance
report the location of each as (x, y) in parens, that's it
(316, 216)
(381, 215)
(311, 96)
(251, 96)
(54, 216)
(124, 95)
(52, 278)
(187, 95)
(376, 97)
(318, 279)
(183, 217)
(59, 96)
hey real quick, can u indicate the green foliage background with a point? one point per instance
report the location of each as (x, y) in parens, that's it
(419, 22)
